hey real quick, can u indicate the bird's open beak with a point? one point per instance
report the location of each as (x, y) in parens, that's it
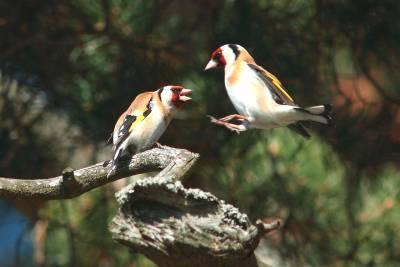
(211, 64)
(183, 95)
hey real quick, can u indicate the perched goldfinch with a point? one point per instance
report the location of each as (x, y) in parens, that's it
(258, 96)
(146, 119)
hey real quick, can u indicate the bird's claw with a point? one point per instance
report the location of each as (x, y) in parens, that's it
(158, 145)
(106, 163)
(213, 119)
(234, 117)
(230, 126)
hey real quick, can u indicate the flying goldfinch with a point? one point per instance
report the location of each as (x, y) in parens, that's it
(258, 96)
(146, 119)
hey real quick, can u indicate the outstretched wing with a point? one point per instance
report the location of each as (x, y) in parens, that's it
(274, 86)
(131, 119)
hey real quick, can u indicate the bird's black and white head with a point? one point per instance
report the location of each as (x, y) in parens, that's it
(225, 56)
(174, 96)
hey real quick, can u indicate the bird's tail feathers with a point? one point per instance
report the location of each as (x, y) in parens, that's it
(320, 109)
(117, 155)
(109, 141)
(320, 113)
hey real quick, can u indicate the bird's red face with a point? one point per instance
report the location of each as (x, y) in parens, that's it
(179, 96)
(217, 60)
(224, 56)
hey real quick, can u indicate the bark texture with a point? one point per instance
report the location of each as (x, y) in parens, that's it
(176, 227)
(159, 217)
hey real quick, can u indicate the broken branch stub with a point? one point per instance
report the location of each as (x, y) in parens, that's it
(175, 226)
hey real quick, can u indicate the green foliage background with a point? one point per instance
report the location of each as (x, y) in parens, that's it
(336, 193)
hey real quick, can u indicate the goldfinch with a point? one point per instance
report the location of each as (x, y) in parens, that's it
(146, 119)
(258, 96)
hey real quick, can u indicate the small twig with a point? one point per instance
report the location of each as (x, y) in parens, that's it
(68, 181)
(266, 227)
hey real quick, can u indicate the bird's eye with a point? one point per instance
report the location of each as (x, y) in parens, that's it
(218, 55)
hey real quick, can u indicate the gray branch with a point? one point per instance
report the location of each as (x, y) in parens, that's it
(74, 183)
(158, 216)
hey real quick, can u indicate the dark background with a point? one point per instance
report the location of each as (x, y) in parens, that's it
(69, 68)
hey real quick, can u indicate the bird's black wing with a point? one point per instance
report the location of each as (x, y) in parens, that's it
(131, 121)
(299, 128)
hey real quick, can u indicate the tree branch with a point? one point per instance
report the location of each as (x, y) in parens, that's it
(71, 183)
(170, 224)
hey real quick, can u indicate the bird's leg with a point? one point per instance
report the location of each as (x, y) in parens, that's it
(158, 145)
(233, 127)
(234, 117)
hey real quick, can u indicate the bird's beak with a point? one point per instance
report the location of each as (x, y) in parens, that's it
(210, 65)
(183, 95)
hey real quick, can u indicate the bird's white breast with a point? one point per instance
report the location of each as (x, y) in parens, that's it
(246, 90)
(237, 92)
(149, 130)
(250, 96)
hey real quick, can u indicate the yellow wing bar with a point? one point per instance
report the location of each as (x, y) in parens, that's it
(139, 118)
(278, 84)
